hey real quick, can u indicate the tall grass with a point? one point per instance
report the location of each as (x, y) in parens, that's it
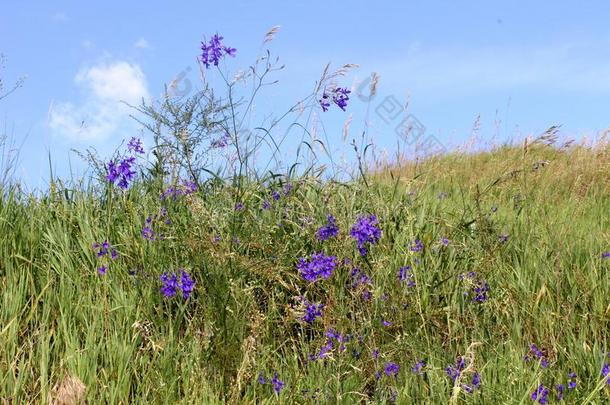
(505, 250)
(63, 325)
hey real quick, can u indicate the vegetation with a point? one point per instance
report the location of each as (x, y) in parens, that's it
(464, 277)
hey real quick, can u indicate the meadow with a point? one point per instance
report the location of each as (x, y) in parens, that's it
(466, 277)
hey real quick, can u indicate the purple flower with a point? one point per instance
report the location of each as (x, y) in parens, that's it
(606, 372)
(135, 145)
(391, 369)
(318, 266)
(122, 172)
(503, 238)
(386, 323)
(104, 249)
(560, 389)
(324, 350)
(112, 172)
(338, 95)
(540, 394)
(478, 286)
(170, 284)
(572, 383)
(454, 372)
(277, 384)
(186, 188)
(221, 142)
(445, 241)
(239, 206)
(312, 311)
(405, 273)
(476, 380)
(212, 52)
(417, 246)
(102, 270)
(418, 367)
(366, 232)
(325, 102)
(341, 97)
(606, 255)
(148, 233)
(187, 284)
(538, 354)
(329, 230)
(261, 378)
(480, 290)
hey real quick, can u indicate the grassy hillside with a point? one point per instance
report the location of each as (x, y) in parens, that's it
(506, 287)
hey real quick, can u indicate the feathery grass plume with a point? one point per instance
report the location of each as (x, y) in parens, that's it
(373, 85)
(270, 35)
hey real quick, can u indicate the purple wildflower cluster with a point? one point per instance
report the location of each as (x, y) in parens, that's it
(391, 369)
(275, 382)
(312, 311)
(220, 142)
(173, 192)
(541, 394)
(537, 354)
(135, 146)
(405, 274)
(212, 51)
(171, 284)
(366, 231)
(332, 337)
(122, 172)
(104, 250)
(455, 371)
(478, 287)
(606, 255)
(152, 222)
(318, 266)
(338, 95)
(329, 230)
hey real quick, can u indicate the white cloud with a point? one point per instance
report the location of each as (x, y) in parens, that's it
(102, 113)
(142, 44)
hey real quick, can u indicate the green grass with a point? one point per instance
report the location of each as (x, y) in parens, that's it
(126, 344)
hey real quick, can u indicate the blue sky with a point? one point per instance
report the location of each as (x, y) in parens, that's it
(520, 66)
